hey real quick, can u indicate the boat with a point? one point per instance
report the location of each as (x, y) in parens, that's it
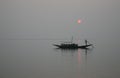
(71, 45)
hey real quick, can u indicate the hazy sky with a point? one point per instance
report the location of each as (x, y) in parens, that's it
(58, 18)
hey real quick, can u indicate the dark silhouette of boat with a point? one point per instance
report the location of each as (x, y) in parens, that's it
(71, 45)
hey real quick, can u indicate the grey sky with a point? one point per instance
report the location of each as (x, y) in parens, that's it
(58, 18)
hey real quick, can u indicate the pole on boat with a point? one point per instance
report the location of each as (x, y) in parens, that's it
(72, 39)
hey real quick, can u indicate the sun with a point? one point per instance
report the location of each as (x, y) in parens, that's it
(79, 21)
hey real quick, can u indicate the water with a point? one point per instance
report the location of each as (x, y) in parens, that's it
(39, 59)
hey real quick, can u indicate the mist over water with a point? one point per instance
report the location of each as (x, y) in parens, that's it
(29, 28)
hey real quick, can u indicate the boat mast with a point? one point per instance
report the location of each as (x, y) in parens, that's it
(72, 39)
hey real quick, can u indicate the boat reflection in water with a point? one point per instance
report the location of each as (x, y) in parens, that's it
(77, 60)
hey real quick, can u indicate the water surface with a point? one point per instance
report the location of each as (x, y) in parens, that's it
(39, 59)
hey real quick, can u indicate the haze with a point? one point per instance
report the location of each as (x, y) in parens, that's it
(24, 24)
(58, 18)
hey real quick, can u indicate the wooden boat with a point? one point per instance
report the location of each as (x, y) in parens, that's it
(71, 45)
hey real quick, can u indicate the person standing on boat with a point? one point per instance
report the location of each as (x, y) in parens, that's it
(85, 42)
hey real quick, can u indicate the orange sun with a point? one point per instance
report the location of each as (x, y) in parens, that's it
(79, 21)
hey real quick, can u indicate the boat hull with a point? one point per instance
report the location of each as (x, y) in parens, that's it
(72, 47)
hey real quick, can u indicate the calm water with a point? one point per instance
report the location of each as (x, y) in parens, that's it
(39, 59)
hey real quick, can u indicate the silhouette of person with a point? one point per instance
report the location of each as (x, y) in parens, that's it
(85, 42)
